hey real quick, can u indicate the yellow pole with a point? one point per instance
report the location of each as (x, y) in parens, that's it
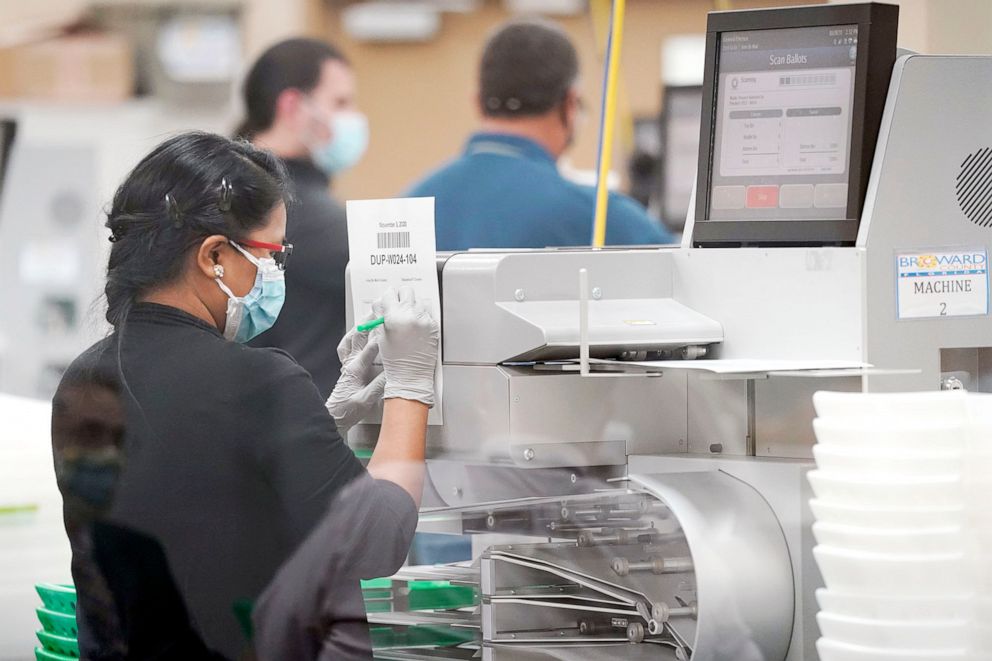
(609, 119)
(600, 12)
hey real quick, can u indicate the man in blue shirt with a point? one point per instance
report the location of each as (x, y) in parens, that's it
(505, 190)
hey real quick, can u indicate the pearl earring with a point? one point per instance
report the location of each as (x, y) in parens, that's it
(218, 270)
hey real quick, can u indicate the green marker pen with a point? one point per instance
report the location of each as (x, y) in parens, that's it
(369, 325)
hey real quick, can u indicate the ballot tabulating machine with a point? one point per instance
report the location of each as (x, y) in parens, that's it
(651, 501)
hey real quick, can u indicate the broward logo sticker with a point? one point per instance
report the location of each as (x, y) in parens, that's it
(942, 283)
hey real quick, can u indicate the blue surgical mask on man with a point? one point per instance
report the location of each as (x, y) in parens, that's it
(256, 312)
(349, 131)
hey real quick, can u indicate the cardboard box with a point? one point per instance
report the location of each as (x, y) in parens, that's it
(88, 68)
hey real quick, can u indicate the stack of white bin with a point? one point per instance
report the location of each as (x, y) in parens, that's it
(903, 510)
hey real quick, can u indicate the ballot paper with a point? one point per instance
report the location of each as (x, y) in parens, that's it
(748, 365)
(391, 244)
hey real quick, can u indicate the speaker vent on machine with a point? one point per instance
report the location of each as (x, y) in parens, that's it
(974, 187)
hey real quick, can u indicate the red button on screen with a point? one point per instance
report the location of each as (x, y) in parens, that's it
(760, 197)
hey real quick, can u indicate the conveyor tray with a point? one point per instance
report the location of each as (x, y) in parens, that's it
(401, 618)
(456, 573)
(519, 653)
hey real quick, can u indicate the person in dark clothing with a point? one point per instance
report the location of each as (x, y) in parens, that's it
(314, 609)
(228, 456)
(299, 98)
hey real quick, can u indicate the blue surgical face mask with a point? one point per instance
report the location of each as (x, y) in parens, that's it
(254, 313)
(349, 140)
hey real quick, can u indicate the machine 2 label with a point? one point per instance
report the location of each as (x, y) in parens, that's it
(942, 283)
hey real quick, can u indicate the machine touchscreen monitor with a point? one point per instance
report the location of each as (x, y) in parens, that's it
(783, 123)
(791, 109)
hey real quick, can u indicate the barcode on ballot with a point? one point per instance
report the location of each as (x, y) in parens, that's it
(387, 240)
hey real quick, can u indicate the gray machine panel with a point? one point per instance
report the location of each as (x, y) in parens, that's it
(783, 485)
(788, 303)
(517, 306)
(544, 419)
(725, 542)
(911, 205)
(718, 415)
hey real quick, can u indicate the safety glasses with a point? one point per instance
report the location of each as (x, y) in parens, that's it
(280, 252)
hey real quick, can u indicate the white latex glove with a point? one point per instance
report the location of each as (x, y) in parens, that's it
(407, 345)
(358, 389)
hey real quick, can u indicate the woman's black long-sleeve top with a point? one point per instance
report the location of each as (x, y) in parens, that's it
(229, 460)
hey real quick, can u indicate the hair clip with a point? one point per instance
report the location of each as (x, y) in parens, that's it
(116, 229)
(226, 195)
(175, 215)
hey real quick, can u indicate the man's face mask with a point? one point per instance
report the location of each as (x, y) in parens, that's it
(256, 312)
(349, 139)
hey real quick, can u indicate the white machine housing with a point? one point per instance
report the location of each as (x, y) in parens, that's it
(805, 304)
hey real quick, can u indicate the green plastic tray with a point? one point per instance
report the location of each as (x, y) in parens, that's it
(423, 595)
(419, 636)
(63, 645)
(377, 583)
(440, 595)
(382, 637)
(435, 636)
(378, 595)
(378, 606)
(42, 654)
(58, 598)
(61, 624)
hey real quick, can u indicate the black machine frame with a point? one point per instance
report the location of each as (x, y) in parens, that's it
(877, 26)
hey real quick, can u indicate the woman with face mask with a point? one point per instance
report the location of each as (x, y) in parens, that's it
(300, 104)
(228, 457)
